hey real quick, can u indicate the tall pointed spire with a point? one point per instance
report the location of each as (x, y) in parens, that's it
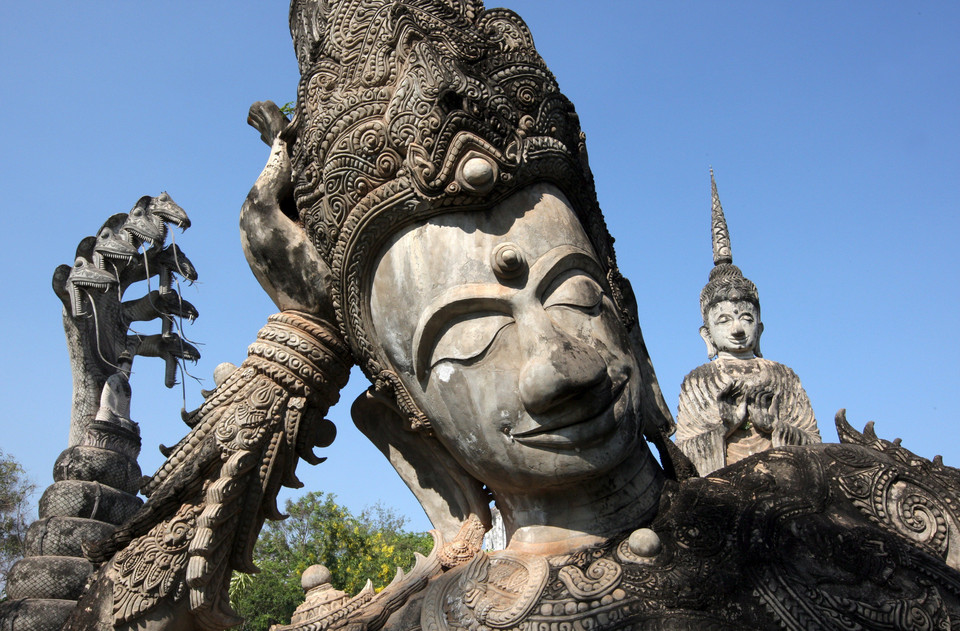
(721, 237)
(726, 280)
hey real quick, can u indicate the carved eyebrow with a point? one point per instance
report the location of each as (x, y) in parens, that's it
(561, 259)
(454, 302)
(493, 297)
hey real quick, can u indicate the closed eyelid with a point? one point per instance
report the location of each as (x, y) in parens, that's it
(466, 299)
(455, 302)
(467, 339)
(573, 288)
(560, 260)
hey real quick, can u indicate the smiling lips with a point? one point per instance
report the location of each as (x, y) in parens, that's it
(585, 419)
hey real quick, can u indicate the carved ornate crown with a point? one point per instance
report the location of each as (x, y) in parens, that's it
(409, 108)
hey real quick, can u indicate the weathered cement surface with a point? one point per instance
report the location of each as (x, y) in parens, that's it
(96, 478)
(528, 377)
(441, 178)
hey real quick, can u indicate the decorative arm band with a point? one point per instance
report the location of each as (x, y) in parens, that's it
(304, 354)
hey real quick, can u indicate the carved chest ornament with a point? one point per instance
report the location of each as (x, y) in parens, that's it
(769, 543)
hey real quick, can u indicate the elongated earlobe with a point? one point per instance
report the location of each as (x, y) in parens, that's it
(449, 495)
(656, 413)
(711, 347)
(756, 350)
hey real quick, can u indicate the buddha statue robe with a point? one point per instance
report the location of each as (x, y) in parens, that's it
(733, 408)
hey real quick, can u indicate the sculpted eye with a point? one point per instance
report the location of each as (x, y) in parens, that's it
(468, 338)
(573, 289)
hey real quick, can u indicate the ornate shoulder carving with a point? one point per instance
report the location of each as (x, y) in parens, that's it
(915, 498)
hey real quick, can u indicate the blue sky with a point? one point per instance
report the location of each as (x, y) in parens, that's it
(833, 129)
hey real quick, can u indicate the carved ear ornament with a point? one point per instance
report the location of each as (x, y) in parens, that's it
(448, 494)
(387, 381)
(622, 294)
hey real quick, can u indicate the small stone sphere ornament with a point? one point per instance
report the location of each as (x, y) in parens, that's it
(478, 173)
(314, 576)
(644, 542)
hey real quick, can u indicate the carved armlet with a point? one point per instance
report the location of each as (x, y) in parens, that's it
(297, 361)
(304, 354)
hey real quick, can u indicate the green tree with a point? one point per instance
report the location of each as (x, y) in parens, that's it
(320, 531)
(15, 491)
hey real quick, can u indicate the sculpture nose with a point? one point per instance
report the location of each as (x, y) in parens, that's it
(559, 370)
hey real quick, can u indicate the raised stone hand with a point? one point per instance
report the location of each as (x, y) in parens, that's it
(768, 408)
(129, 247)
(765, 411)
(733, 406)
(786, 434)
(282, 258)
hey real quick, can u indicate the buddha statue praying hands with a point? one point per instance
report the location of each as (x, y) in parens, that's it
(740, 403)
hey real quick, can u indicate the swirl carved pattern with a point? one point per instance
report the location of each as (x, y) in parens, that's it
(801, 538)
(394, 98)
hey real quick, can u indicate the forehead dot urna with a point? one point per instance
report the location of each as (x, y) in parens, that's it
(507, 260)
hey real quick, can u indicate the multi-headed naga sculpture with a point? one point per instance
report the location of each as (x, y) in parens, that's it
(429, 214)
(96, 478)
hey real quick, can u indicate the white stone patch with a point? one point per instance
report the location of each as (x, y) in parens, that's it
(444, 372)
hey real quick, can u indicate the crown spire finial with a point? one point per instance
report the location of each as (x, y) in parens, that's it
(721, 237)
(726, 280)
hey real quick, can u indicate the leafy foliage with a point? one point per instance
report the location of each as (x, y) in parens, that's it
(320, 531)
(15, 490)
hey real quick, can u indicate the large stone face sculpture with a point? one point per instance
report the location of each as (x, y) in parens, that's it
(508, 342)
(739, 404)
(441, 174)
(429, 214)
